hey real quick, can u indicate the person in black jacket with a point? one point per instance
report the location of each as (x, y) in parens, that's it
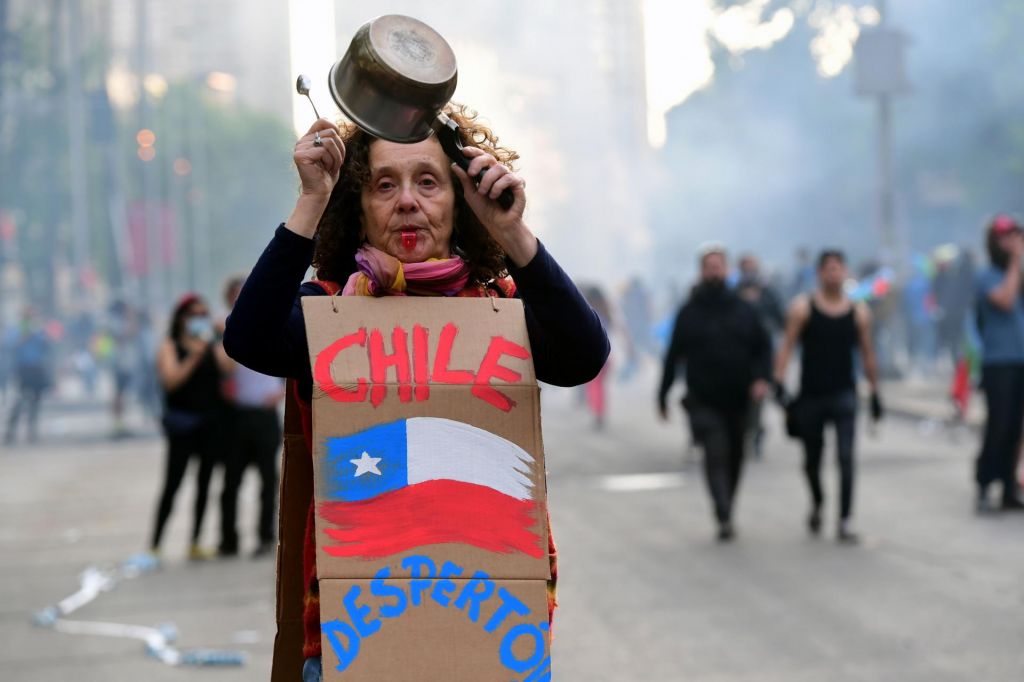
(753, 289)
(727, 356)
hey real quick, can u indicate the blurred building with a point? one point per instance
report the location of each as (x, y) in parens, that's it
(563, 85)
(82, 81)
(239, 49)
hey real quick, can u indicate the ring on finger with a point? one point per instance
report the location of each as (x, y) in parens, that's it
(317, 142)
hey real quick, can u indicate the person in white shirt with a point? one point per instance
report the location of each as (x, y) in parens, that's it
(255, 439)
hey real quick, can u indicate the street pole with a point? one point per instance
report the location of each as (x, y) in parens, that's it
(4, 43)
(880, 74)
(77, 120)
(150, 182)
(885, 192)
(49, 252)
(186, 248)
(198, 183)
(886, 216)
(145, 279)
(886, 213)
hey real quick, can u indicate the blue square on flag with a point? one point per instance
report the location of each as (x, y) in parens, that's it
(367, 464)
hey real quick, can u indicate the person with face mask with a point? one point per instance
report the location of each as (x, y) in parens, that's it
(190, 363)
(726, 352)
(255, 440)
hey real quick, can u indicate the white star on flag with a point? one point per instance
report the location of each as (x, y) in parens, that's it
(366, 464)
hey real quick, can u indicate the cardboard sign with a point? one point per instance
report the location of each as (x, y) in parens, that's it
(429, 490)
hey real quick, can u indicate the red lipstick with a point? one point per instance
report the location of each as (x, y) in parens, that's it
(409, 239)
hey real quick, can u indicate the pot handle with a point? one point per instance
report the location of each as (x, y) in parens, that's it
(447, 132)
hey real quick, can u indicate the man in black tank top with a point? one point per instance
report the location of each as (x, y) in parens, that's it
(829, 327)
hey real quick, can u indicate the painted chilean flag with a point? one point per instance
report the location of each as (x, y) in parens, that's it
(421, 481)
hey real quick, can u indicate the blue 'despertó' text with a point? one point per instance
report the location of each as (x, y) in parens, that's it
(427, 582)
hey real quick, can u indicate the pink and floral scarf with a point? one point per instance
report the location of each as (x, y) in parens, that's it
(381, 274)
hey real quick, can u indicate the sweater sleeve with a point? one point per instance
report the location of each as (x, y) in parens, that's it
(266, 331)
(673, 356)
(570, 345)
(762, 349)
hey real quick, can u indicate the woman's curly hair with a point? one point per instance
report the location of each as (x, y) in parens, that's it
(340, 227)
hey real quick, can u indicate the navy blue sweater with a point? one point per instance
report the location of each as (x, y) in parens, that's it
(266, 331)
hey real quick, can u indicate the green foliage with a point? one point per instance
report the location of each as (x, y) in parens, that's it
(33, 147)
(240, 185)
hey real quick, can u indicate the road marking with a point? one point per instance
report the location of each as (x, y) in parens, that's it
(627, 483)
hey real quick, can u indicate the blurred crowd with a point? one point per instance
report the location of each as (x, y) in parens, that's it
(924, 325)
(83, 354)
(209, 409)
(941, 318)
(922, 309)
(924, 313)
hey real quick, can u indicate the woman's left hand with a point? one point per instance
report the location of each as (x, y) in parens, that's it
(505, 226)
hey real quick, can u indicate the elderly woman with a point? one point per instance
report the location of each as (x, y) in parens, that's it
(378, 218)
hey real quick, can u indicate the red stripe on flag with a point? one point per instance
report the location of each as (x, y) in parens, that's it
(430, 513)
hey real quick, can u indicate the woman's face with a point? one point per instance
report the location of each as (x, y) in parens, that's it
(409, 203)
(195, 322)
(1007, 239)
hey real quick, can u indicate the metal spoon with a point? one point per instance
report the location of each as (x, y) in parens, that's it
(302, 84)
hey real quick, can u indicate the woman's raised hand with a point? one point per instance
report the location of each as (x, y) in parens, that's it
(319, 164)
(505, 226)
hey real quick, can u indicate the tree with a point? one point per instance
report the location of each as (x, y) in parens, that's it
(232, 183)
(225, 179)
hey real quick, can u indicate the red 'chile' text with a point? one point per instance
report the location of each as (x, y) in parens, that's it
(411, 365)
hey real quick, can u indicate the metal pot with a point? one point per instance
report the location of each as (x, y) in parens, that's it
(394, 79)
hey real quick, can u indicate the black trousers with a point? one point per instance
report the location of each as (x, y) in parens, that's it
(27, 403)
(814, 413)
(256, 437)
(722, 435)
(1004, 395)
(202, 444)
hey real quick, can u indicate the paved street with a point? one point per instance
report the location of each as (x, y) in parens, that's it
(934, 593)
